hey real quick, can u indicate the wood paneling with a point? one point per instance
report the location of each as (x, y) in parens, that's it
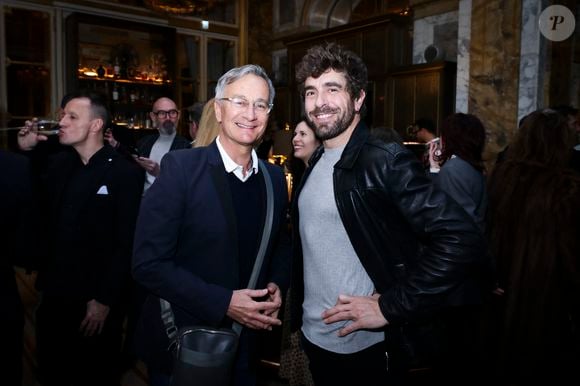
(383, 43)
(420, 91)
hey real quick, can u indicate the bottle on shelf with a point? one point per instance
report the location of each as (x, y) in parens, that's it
(101, 71)
(115, 93)
(117, 68)
(133, 95)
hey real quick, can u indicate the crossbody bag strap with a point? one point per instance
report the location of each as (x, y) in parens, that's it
(167, 313)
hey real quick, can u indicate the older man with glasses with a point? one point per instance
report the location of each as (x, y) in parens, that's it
(152, 148)
(200, 229)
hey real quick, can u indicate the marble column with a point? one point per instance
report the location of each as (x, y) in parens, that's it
(532, 59)
(494, 67)
(463, 44)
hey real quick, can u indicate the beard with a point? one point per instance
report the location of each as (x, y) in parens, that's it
(331, 130)
(167, 127)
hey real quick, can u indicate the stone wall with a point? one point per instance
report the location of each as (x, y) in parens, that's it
(494, 69)
(260, 33)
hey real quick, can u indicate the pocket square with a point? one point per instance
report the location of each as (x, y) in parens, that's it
(103, 190)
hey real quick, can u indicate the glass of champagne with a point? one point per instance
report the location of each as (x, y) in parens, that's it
(47, 126)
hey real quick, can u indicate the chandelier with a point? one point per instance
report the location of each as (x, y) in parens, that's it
(180, 7)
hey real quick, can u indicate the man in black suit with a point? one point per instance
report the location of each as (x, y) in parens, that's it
(91, 196)
(15, 209)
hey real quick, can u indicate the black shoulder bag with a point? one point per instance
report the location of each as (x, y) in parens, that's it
(205, 355)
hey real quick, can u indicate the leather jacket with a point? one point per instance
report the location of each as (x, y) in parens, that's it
(420, 248)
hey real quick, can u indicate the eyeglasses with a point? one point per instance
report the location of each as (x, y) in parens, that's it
(164, 114)
(239, 103)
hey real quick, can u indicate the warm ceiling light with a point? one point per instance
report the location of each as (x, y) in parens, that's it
(405, 11)
(180, 7)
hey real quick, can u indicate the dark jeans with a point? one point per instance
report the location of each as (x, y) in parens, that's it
(65, 356)
(11, 347)
(367, 367)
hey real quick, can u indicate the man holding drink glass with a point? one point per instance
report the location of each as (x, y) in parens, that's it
(89, 199)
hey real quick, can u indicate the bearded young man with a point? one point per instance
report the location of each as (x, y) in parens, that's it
(376, 246)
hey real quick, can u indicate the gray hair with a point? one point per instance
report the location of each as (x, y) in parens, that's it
(237, 72)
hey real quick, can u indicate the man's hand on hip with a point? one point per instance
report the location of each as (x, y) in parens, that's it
(363, 311)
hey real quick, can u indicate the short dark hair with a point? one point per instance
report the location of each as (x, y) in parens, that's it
(65, 99)
(194, 112)
(386, 134)
(427, 124)
(97, 102)
(321, 58)
(463, 135)
(565, 110)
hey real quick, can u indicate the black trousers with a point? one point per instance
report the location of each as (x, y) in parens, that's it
(367, 367)
(11, 346)
(65, 356)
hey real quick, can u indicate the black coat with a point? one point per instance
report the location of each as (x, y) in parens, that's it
(16, 227)
(95, 263)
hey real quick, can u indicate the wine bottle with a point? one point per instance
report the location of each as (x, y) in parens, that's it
(117, 68)
(115, 93)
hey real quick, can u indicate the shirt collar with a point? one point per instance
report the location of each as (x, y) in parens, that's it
(231, 166)
(98, 157)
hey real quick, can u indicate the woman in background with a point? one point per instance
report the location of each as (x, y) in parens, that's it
(459, 169)
(293, 361)
(533, 225)
(209, 127)
(304, 142)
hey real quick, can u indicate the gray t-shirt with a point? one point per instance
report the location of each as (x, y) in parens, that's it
(331, 266)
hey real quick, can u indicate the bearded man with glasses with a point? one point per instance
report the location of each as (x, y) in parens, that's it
(152, 148)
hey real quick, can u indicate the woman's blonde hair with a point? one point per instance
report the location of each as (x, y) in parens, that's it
(209, 127)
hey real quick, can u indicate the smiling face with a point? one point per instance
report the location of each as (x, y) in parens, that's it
(242, 125)
(304, 142)
(329, 107)
(77, 123)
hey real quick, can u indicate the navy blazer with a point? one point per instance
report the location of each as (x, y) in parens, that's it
(186, 243)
